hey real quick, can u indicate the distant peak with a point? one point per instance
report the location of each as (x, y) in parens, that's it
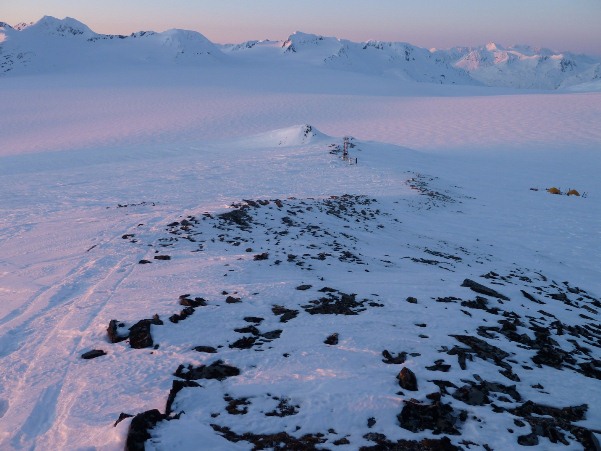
(493, 47)
(62, 27)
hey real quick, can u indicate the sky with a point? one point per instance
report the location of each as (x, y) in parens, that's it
(562, 25)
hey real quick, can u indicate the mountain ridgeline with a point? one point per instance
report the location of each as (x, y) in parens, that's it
(55, 45)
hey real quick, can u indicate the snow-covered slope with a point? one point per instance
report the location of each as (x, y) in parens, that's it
(54, 45)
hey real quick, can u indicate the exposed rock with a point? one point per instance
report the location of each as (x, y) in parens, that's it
(427, 444)
(162, 257)
(283, 409)
(122, 416)
(332, 339)
(236, 406)
(144, 262)
(139, 334)
(232, 300)
(482, 289)
(332, 305)
(304, 287)
(528, 440)
(439, 365)
(393, 360)
(284, 313)
(116, 335)
(182, 315)
(437, 417)
(216, 370)
(484, 350)
(196, 302)
(278, 441)
(93, 354)
(472, 395)
(272, 335)
(407, 379)
(239, 217)
(263, 256)
(244, 343)
(139, 427)
(411, 300)
(176, 387)
(207, 349)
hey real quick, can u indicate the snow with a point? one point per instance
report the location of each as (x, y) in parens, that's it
(96, 162)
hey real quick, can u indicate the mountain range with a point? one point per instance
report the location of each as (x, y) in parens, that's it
(54, 45)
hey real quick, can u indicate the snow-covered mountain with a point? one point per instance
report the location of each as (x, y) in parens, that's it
(526, 67)
(53, 45)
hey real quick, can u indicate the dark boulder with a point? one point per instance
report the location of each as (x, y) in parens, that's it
(116, 335)
(93, 354)
(482, 289)
(332, 339)
(216, 370)
(407, 379)
(437, 417)
(139, 429)
(140, 336)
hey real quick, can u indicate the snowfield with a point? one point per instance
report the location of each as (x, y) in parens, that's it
(245, 285)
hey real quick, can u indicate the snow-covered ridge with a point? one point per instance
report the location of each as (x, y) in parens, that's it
(56, 44)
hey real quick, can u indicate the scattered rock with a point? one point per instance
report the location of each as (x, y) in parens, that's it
(304, 287)
(479, 288)
(139, 427)
(232, 300)
(93, 354)
(393, 360)
(196, 302)
(216, 370)
(332, 339)
(122, 416)
(139, 334)
(116, 335)
(176, 387)
(239, 217)
(437, 417)
(407, 379)
(284, 313)
(283, 409)
(236, 406)
(333, 305)
(427, 444)
(244, 343)
(278, 441)
(207, 349)
(144, 262)
(439, 365)
(411, 300)
(162, 257)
